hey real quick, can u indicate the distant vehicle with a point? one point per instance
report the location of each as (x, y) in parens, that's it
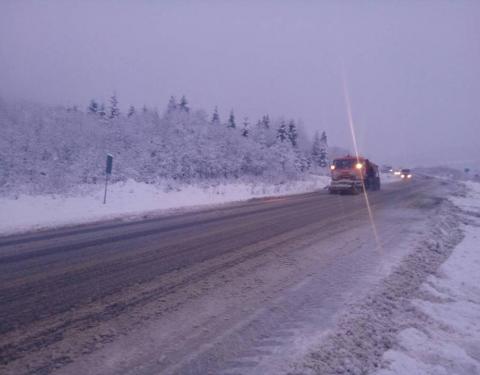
(405, 174)
(386, 169)
(352, 174)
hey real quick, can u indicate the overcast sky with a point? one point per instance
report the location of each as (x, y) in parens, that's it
(412, 67)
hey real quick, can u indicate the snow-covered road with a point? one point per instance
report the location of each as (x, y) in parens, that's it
(249, 288)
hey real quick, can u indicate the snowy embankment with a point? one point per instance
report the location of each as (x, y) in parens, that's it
(131, 199)
(423, 318)
(446, 337)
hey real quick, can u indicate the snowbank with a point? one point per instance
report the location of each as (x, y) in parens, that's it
(446, 337)
(129, 199)
(368, 334)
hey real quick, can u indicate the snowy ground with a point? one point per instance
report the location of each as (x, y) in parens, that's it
(267, 305)
(424, 318)
(445, 339)
(131, 199)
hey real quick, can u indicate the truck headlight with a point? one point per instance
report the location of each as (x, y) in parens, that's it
(359, 165)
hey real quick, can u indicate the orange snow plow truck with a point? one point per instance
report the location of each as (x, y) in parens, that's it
(352, 174)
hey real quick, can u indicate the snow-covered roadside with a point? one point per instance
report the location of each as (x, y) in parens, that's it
(445, 337)
(369, 327)
(130, 199)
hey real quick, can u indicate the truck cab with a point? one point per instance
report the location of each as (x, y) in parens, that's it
(353, 174)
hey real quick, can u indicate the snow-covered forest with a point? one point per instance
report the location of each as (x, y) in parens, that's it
(53, 149)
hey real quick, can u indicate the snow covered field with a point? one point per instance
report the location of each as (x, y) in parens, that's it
(130, 199)
(446, 337)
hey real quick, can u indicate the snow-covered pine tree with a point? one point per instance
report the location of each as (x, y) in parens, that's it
(215, 117)
(184, 104)
(101, 110)
(131, 111)
(231, 121)
(246, 127)
(172, 105)
(302, 161)
(316, 149)
(323, 162)
(114, 110)
(266, 121)
(292, 133)
(155, 115)
(282, 132)
(93, 107)
(258, 133)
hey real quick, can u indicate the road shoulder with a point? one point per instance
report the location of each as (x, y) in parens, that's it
(369, 329)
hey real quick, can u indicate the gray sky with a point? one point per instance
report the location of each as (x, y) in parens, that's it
(412, 67)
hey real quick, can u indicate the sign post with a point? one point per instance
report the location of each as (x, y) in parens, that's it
(108, 172)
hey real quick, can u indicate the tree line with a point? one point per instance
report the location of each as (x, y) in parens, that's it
(55, 149)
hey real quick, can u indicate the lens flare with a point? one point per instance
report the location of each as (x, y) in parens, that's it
(357, 155)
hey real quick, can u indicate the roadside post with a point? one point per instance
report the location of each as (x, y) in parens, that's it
(108, 172)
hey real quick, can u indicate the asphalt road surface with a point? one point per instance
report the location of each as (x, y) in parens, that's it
(241, 288)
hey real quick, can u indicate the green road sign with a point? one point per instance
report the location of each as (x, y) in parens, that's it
(109, 163)
(109, 172)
